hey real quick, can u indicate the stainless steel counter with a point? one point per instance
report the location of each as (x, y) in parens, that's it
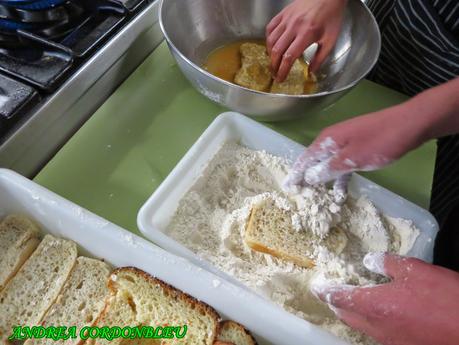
(52, 123)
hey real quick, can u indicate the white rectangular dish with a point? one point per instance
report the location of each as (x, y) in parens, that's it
(158, 210)
(99, 238)
(156, 213)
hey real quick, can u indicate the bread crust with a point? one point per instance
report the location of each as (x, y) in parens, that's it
(232, 324)
(167, 287)
(172, 291)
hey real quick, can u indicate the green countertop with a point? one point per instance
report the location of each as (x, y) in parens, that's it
(121, 155)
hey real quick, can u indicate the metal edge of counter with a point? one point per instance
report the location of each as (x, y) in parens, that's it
(39, 138)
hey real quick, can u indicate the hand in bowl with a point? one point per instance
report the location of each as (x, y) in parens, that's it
(299, 25)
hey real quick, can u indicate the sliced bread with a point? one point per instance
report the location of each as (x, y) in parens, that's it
(18, 239)
(30, 293)
(293, 83)
(81, 300)
(254, 72)
(270, 230)
(231, 332)
(138, 299)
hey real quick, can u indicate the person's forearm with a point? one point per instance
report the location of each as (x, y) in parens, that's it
(436, 111)
(372, 141)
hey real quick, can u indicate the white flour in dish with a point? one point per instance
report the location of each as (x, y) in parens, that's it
(211, 218)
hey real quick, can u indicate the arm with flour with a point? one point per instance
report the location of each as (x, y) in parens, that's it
(373, 141)
(420, 306)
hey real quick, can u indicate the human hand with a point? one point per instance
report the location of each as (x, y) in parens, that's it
(363, 143)
(420, 306)
(299, 25)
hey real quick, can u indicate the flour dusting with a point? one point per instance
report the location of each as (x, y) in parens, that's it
(211, 219)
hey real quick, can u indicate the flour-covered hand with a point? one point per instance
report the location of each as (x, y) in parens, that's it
(364, 143)
(420, 306)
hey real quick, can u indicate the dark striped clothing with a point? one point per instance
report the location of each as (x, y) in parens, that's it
(420, 50)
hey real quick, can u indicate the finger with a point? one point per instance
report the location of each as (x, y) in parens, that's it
(273, 37)
(279, 48)
(344, 297)
(319, 151)
(336, 296)
(310, 157)
(295, 50)
(295, 176)
(340, 188)
(321, 173)
(374, 262)
(323, 288)
(293, 180)
(273, 24)
(358, 300)
(325, 171)
(394, 266)
(323, 51)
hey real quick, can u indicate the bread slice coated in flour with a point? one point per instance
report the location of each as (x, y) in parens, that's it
(294, 82)
(270, 230)
(254, 73)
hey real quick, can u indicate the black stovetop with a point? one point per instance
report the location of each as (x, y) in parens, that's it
(43, 42)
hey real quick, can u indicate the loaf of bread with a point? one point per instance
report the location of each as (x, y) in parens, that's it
(29, 294)
(18, 239)
(270, 230)
(139, 299)
(81, 300)
(231, 332)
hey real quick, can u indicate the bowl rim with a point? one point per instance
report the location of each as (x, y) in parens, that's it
(279, 95)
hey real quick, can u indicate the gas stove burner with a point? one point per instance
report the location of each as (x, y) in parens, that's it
(56, 14)
(8, 40)
(15, 98)
(13, 2)
(34, 5)
(12, 26)
(50, 19)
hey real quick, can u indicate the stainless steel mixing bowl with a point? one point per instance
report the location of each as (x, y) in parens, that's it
(194, 28)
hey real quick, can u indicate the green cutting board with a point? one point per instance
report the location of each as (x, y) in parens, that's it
(122, 154)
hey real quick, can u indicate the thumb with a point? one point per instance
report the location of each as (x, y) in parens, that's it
(322, 53)
(336, 295)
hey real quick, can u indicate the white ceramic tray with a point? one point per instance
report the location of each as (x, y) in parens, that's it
(99, 238)
(158, 210)
(156, 213)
